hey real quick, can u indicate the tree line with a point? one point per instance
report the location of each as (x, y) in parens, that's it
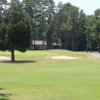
(64, 24)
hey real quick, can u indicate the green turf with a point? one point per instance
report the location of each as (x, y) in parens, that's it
(48, 79)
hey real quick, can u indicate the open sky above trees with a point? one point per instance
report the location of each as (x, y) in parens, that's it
(87, 5)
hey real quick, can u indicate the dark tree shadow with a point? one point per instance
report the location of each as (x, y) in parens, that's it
(19, 62)
(4, 95)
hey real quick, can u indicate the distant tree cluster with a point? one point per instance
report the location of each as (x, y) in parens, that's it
(65, 24)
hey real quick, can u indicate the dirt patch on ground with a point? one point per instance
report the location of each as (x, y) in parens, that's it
(4, 58)
(63, 57)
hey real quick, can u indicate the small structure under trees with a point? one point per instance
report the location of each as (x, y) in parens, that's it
(39, 45)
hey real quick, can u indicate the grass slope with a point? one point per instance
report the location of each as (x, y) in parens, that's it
(48, 79)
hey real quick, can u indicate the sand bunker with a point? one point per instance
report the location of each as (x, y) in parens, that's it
(3, 58)
(97, 55)
(63, 57)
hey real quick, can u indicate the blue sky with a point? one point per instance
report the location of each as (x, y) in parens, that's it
(89, 6)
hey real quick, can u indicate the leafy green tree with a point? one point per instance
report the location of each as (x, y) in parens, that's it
(98, 34)
(50, 13)
(41, 12)
(50, 34)
(16, 29)
(97, 15)
(91, 23)
(3, 26)
(81, 40)
(31, 7)
(68, 17)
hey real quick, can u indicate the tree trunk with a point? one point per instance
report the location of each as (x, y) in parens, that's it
(12, 55)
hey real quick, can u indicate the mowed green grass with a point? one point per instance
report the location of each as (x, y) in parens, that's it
(49, 79)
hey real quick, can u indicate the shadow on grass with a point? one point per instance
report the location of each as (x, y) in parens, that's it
(4, 95)
(19, 62)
